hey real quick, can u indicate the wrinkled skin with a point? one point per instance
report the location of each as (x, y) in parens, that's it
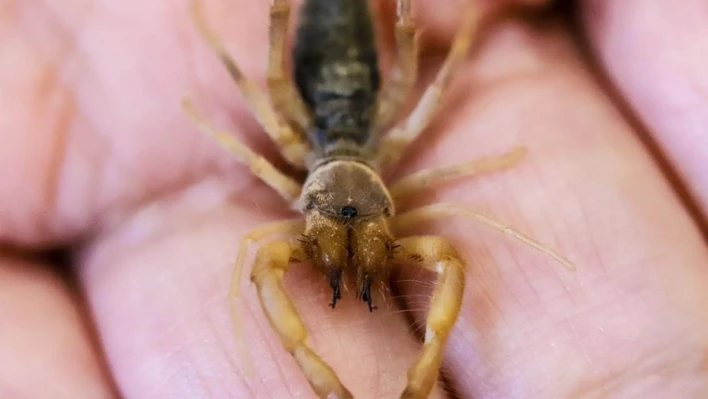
(96, 154)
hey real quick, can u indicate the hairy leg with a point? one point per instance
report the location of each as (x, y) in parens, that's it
(437, 255)
(286, 186)
(398, 140)
(405, 220)
(292, 146)
(398, 87)
(410, 185)
(290, 227)
(272, 261)
(285, 98)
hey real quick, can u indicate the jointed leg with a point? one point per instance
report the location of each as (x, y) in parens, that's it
(285, 98)
(393, 145)
(404, 221)
(408, 186)
(437, 255)
(272, 261)
(287, 187)
(398, 87)
(292, 145)
(291, 227)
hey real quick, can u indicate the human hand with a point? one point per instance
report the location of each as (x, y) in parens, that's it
(97, 155)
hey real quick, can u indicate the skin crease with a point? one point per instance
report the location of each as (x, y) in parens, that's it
(96, 153)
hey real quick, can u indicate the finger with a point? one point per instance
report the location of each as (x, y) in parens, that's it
(634, 310)
(655, 53)
(159, 289)
(45, 347)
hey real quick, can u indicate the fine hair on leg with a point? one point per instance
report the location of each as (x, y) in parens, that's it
(422, 180)
(435, 254)
(405, 220)
(293, 146)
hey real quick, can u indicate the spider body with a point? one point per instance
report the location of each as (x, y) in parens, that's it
(345, 202)
(329, 119)
(336, 73)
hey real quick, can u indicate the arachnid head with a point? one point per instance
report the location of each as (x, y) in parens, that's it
(346, 208)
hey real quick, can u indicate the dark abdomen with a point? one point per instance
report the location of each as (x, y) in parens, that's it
(336, 72)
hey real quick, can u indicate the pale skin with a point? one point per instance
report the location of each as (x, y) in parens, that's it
(119, 170)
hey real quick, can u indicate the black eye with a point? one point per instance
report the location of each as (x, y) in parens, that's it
(348, 212)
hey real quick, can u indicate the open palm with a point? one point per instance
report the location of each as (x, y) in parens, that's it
(97, 155)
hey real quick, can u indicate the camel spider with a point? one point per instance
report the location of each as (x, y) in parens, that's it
(330, 118)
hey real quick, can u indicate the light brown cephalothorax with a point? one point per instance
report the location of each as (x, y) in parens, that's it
(331, 118)
(346, 207)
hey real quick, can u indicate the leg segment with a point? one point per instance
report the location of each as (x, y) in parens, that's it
(408, 186)
(393, 145)
(437, 255)
(398, 87)
(405, 220)
(290, 227)
(287, 187)
(272, 261)
(292, 145)
(281, 88)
